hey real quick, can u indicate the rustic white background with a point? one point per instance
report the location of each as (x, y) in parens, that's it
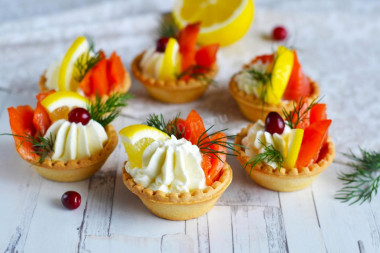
(339, 46)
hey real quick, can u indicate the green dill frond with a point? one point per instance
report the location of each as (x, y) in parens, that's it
(205, 142)
(106, 111)
(361, 185)
(167, 27)
(296, 116)
(169, 127)
(43, 146)
(270, 154)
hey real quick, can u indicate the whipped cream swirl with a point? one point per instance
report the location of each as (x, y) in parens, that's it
(257, 137)
(247, 83)
(74, 141)
(170, 166)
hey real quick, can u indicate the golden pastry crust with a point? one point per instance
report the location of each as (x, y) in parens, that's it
(253, 108)
(180, 206)
(284, 180)
(176, 91)
(76, 170)
(123, 88)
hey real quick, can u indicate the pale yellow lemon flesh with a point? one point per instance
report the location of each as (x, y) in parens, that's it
(136, 138)
(295, 141)
(66, 81)
(281, 72)
(170, 61)
(60, 99)
(222, 22)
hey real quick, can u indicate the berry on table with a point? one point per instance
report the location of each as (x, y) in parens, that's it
(71, 200)
(79, 115)
(274, 123)
(279, 33)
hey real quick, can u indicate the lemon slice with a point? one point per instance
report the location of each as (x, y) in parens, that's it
(295, 141)
(170, 61)
(136, 138)
(65, 77)
(281, 72)
(222, 22)
(68, 99)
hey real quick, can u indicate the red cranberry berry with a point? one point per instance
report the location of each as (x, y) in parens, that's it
(161, 44)
(274, 123)
(279, 33)
(71, 200)
(79, 115)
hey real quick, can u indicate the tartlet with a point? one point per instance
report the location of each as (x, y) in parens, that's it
(173, 91)
(285, 180)
(89, 72)
(178, 174)
(252, 107)
(65, 138)
(271, 83)
(175, 70)
(76, 170)
(183, 206)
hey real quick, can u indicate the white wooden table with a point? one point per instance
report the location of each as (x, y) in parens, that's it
(339, 46)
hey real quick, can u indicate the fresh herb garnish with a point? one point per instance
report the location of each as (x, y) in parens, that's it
(362, 184)
(265, 80)
(167, 27)
(86, 61)
(270, 154)
(299, 113)
(199, 73)
(106, 111)
(43, 146)
(170, 127)
(205, 142)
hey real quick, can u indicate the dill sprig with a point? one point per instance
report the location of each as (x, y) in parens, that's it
(167, 26)
(43, 146)
(270, 154)
(198, 73)
(205, 142)
(298, 114)
(86, 61)
(169, 127)
(106, 111)
(264, 79)
(362, 184)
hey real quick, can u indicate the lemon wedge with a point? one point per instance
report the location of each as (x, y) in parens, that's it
(65, 76)
(68, 99)
(170, 62)
(136, 138)
(281, 72)
(295, 141)
(222, 22)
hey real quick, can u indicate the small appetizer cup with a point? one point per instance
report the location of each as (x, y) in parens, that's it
(180, 206)
(123, 88)
(76, 170)
(175, 91)
(254, 109)
(284, 180)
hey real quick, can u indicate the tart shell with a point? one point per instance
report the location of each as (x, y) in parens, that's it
(76, 170)
(123, 88)
(285, 180)
(183, 206)
(176, 91)
(252, 107)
